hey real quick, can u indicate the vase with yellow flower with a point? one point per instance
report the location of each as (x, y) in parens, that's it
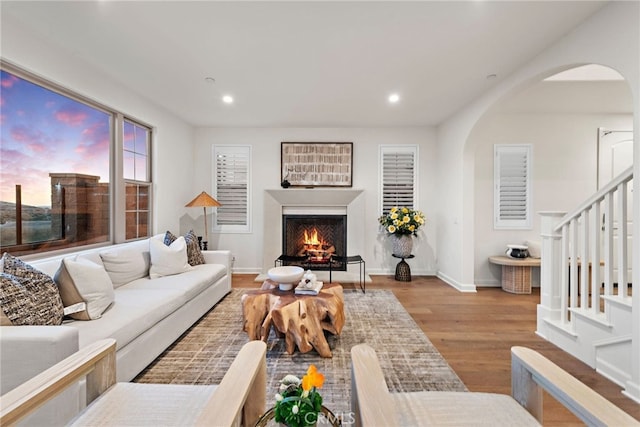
(298, 401)
(402, 223)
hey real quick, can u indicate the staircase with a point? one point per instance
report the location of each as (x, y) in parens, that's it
(586, 292)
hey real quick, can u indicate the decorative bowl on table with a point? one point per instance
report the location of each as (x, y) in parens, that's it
(286, 276)
(517, 251)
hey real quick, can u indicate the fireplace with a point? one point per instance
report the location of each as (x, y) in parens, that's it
(315, 237)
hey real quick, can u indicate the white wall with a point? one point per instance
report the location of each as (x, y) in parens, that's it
(592, 42)
(265, 142)
(173, 141)
(611, 37)
(564, 173)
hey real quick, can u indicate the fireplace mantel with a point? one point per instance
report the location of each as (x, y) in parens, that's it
(277, 199)
(314, 196)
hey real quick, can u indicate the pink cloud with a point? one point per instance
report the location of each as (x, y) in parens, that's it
(9, 81)
(71, 116)
(33, 140)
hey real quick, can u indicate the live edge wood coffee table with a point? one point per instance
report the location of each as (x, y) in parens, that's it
(301, 319)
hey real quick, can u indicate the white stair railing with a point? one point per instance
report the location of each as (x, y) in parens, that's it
(581, 251)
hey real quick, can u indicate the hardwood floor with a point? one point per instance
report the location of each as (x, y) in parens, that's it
(475, 332)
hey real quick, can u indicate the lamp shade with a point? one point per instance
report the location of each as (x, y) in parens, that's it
(203, 200)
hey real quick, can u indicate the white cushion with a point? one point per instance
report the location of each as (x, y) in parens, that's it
(128, 263)
(190, 283)
(534, 248)
(80, 280)
(168, 260)
(133, 313)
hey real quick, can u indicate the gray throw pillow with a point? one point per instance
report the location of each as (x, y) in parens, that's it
(27, 295)
(194, 255)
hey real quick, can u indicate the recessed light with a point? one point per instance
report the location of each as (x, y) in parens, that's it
(393, 98)
(491, 76)
(227, 99)
(210, 80)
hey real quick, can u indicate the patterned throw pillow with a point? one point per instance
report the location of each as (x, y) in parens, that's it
(194, 255)
(27, 295)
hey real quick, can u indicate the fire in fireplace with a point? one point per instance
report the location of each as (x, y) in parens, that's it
(315, 237)
(316, 248)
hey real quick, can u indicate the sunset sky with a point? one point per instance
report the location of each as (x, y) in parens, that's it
(43, 132)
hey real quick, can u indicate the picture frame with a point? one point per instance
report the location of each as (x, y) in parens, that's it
(316, 164)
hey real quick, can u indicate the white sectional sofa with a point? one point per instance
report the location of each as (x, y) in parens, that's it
(147, 315)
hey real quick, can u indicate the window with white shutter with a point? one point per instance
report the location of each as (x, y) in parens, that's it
(398, 176)
(512, 186)
(232, 166)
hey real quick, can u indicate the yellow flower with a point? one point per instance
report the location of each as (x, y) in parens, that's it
(312, 379)
(393, 209)
(391, 229)
(394, 215)
(406, 219)
(412, 227)
(405, 210)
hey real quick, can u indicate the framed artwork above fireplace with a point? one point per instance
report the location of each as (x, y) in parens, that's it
(316, 164)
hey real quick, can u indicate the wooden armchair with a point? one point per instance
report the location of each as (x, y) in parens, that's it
(373, 404)
(238, 399)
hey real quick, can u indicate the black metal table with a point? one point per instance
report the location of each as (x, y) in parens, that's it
(354, 259)
(403, 270)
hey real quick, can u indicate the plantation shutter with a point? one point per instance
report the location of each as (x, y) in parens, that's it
(398, 176)
(231, 175)
(512, 192)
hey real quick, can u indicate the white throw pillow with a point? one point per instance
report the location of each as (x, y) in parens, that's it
(534, 248)
(168, 260)
(81, 281)
(126, 264)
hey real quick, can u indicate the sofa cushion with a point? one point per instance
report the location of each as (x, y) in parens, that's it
(127, 263)
(27, 295)
(133, 312)
(194, 254)
(189, 284)
(83, 281)
(168, 260)
(4, 320)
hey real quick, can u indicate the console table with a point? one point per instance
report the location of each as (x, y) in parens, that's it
(516, 273)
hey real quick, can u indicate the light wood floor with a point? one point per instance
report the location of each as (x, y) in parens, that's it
(475, 332)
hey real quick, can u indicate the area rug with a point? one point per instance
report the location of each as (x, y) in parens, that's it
(408, 359)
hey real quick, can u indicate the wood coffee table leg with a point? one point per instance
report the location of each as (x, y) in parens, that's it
(302, 320)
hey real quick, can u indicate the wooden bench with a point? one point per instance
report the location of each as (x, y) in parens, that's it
(516, 273)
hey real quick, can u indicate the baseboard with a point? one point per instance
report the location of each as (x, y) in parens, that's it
(455, 284)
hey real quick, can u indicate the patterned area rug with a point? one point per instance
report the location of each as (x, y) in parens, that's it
(408, 359)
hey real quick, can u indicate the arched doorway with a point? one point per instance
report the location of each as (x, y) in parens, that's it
(559, 116)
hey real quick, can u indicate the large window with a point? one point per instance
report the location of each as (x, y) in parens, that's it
(232, 164)
(56, 156)
(398, 176)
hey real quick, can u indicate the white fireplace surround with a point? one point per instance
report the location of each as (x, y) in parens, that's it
(321, 201)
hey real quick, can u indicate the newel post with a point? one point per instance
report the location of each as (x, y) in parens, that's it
(550, 269)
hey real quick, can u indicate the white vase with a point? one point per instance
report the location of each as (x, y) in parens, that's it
(402, 244)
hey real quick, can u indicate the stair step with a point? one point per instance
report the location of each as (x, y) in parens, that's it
(599, 319)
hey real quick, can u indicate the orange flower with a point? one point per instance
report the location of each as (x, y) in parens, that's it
(312, 379)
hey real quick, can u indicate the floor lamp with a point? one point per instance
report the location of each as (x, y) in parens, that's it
(204, 200)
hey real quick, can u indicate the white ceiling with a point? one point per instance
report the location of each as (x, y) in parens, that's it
(304, 64)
